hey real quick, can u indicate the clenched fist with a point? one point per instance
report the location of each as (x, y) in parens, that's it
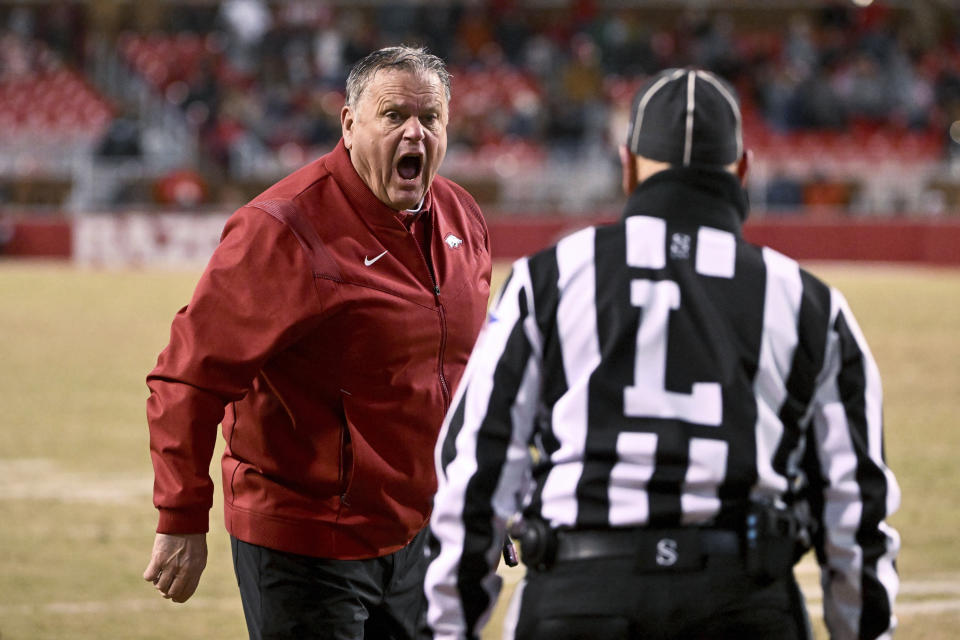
(176, 564)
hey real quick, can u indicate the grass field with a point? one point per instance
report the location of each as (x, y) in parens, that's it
(76, 520)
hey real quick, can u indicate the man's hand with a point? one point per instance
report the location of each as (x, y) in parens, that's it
(176, 564)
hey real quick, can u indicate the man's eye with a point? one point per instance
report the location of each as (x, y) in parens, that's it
(430, 118)
(393, 116)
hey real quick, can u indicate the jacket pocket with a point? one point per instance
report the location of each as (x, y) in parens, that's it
(346, 466)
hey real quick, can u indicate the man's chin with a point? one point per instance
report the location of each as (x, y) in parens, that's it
(406, 196)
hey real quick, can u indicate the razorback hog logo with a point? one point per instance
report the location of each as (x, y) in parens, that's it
(453, 241)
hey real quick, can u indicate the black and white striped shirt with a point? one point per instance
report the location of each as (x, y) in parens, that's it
(667, 372)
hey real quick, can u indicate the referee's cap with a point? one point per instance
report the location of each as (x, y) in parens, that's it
(686, 117)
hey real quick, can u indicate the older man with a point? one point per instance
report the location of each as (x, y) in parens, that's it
(327, 333)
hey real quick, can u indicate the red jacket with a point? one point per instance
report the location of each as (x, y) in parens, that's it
(321, 340)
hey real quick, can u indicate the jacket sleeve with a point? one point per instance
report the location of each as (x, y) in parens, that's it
(482, 463)
(256, 296)
(855, 545)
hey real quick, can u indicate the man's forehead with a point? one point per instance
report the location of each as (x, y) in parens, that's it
(388, 83)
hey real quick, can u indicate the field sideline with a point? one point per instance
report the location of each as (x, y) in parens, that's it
(76, 520)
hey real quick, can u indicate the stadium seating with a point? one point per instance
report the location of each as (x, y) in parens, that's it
(534, 90)
(50, 115)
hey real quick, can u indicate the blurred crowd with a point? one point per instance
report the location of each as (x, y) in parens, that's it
(266, 78)
(551, 76)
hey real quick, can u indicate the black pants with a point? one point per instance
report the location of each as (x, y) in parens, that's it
(606, 598)
(289, 596)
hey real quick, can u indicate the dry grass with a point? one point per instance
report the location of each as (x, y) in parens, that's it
(76, 523)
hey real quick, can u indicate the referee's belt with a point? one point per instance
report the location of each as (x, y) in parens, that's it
(653, 549)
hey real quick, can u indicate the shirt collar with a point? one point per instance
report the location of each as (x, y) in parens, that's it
(695, 196)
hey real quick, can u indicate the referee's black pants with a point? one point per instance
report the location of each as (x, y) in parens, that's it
(289, 596)
(605, 598)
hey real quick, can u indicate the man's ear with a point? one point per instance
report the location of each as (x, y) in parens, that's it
(628, 168)
(743, 166)
(346, 125)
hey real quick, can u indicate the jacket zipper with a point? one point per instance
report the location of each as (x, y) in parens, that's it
(444, 387)
(443, 345)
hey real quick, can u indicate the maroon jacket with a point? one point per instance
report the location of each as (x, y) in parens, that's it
(330, 368)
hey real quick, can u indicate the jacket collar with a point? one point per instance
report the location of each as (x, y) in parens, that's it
(361, 198)
(692, 196)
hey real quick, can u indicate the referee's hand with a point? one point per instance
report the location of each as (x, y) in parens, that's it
(176, 564)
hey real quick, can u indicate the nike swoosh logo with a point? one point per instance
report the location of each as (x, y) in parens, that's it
(369, 261)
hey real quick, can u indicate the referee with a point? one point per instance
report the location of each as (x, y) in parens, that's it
(676, 415)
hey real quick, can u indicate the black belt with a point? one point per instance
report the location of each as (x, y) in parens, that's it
(652, 549)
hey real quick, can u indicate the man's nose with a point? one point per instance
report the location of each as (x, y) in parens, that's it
(413, 129)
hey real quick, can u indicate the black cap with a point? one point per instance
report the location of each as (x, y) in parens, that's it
(687, 117)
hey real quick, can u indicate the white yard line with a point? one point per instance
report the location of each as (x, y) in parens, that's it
(45, 479)
(930, 587)
(131, 605)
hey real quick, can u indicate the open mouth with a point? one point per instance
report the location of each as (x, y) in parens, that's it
(409, 166)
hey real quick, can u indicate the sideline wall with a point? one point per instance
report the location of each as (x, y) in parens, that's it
(180, 239)
(911, 241)
(36, 238)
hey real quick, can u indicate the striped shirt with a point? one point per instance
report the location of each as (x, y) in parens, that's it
(662, 372)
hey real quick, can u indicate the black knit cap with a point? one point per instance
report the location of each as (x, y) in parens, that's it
(687, 117)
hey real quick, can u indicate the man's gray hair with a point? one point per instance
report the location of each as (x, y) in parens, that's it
(403, 58)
